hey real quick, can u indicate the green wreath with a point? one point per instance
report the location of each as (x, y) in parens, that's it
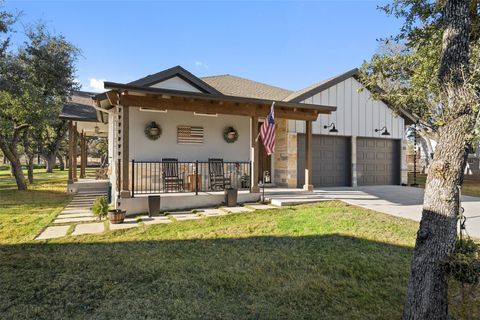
(153, 131)
(230, 135)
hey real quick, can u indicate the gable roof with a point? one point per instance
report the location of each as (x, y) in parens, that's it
(177, 71)
(80, 107)
(307, 92)
(241, 87)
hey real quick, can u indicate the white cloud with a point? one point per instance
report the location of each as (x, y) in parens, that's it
(201, 64)
(96, 85)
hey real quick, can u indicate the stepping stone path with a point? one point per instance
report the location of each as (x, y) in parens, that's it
(184, 215)
(127, 224)
(78, 213)
(53, 232)
(259, 206)
(237, 209)
(212, 212)
(155, 220)
(88, 228)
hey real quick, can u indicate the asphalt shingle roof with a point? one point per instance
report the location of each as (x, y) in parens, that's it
(79, 107)
(240, 87)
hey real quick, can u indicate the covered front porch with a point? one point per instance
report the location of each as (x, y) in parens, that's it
(84, 122)
(191, 162)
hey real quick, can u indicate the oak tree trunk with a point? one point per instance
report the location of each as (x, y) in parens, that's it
(61, 162)
(50, 161)
(427, 287)
(30, 169)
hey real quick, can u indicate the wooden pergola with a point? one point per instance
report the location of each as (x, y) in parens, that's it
(125, 96)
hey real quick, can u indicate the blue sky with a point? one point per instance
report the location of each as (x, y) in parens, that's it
(288, 44)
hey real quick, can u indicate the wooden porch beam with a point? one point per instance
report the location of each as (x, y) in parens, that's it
(70, 152)
(113, 98)
(214, 107)
(83, 155)
(75, 153)
(308, 157)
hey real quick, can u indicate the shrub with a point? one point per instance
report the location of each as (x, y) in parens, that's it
(100, 206)
(464, 264)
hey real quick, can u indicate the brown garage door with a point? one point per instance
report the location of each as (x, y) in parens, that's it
(378, 161)
(331, 161)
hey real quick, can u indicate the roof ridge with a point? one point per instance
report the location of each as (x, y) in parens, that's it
(231, 75)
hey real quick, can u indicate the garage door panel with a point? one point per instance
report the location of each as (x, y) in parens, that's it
(378, 161)
(331, 160)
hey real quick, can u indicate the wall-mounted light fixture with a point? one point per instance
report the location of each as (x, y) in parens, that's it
(332, 125)
(97, 129)
(384, 131)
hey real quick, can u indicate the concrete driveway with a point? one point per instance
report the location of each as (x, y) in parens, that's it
(405, 202)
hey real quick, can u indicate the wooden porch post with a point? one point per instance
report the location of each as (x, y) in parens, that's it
(308, 156)
(70, 152)
(83, 154)
(125, 193)
(254, 154)
(74, 155)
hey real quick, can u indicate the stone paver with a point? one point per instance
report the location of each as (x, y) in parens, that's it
(70, 220)
(73, 210)
(237, 209)
(74, 215)
(213, 212)
(53, 232)
(184, 215)
(127, 224)
(155, 220)
(259, 206)
(88, 228)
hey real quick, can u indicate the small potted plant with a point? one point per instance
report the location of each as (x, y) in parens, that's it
(116, 215)
(100, 207)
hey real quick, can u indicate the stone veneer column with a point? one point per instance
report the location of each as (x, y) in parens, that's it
(285, 171)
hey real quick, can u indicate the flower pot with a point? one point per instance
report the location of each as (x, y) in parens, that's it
(116, 216)
(153, 205)
(231, 196)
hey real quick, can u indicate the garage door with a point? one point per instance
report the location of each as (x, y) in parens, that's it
(331, 161)
(378, 161)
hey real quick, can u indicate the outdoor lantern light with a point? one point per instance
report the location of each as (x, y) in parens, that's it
(384, 131)
(332, 125)
(97, 130)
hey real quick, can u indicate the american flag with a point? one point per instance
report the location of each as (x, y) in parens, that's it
(267, 132)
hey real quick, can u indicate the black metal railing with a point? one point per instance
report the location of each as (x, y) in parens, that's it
(152, 177)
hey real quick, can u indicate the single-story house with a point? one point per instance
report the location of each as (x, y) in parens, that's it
(189, 138)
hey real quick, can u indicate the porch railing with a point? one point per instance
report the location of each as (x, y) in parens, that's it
(194, 176)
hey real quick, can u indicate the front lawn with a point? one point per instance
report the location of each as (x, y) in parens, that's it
(325, 261)
(471, 186)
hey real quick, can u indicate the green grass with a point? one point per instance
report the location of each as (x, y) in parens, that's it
(325, 261)
(23, 214)
(471, 187)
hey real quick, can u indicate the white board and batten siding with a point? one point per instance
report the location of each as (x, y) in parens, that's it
(175, 83)
(357, 113)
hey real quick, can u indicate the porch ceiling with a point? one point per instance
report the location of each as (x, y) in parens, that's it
(155, 98)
